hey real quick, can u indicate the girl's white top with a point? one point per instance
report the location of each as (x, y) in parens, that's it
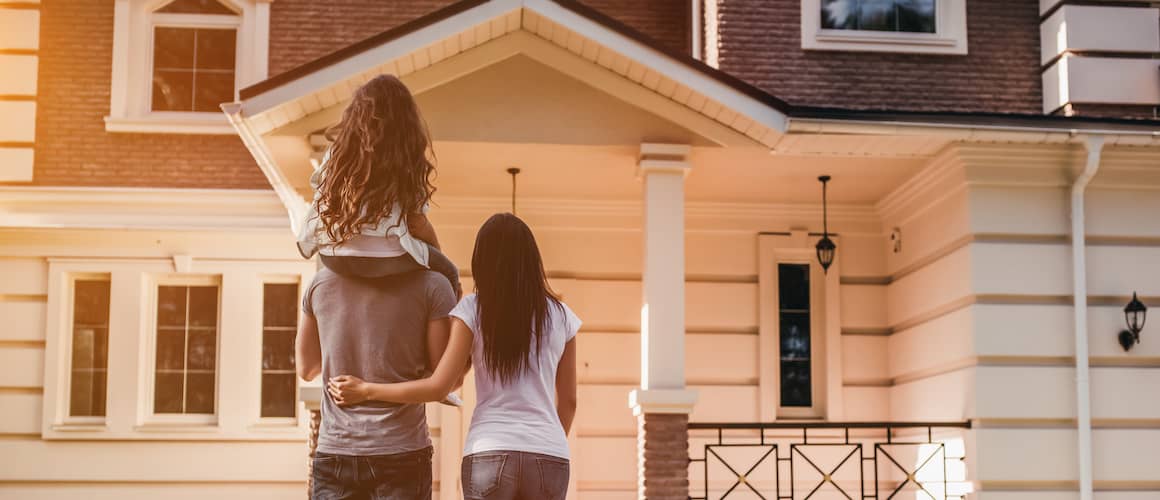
(389, 237)
(521, 415)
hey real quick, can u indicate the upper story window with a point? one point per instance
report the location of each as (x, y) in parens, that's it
(176, 62)
(922, 26)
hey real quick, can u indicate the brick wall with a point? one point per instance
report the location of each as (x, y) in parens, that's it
(304, 30)
(72, 147)
(760, 41)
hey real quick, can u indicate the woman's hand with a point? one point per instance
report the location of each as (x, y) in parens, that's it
(348, 390)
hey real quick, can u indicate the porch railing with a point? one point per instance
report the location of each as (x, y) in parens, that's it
(828, 460)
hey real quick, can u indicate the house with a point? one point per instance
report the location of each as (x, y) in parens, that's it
(994, 173)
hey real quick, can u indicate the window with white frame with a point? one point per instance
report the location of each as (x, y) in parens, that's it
(176, 61)
(922, 26)
(794, 331)
(171, 349)
(89, 367)
(186, 347)
(279, 326)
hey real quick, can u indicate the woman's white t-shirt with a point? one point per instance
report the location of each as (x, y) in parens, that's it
(521, 415)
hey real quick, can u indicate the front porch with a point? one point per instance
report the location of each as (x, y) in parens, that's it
(677, 209)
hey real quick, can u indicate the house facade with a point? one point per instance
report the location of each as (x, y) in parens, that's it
(994, 173)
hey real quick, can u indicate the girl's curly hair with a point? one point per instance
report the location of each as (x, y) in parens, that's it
(381, 156)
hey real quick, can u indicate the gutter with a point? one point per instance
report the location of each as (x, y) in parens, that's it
(295, 205)
(976, 130)
(1094, 145)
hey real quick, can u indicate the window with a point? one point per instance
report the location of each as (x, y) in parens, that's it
(923, 26)
(175, 63)
(799, 373)
(279, 326)
(90, 348)
(185, 367)
(903, 16)
(793, 284)
(193, 68)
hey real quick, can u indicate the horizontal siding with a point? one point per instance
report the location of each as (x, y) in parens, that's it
(1049, 454)
(1048, 392)
(715, 359)
(22, 411)
(23, 276)
(21, 366)
(23, 320)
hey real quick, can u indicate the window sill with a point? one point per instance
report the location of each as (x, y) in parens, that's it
(171, 123)
(869, 41)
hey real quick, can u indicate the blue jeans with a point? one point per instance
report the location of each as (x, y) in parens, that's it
(403, 476)
(512, 475)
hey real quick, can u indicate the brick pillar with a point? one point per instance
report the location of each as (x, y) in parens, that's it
(663, 456)
(311, 447)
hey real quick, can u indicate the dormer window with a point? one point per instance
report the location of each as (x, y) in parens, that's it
(176, 62)
(922, 26)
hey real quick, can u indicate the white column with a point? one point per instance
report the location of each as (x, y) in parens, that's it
(663, 168)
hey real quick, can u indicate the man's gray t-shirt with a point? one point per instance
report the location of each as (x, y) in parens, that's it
(375, 329)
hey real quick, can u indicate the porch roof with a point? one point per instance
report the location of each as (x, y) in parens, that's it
(554, 25)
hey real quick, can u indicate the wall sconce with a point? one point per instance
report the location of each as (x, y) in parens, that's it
(513, 171)
(825, 246)
(1134, 315)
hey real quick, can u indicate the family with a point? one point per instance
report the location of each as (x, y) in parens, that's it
(386, 325)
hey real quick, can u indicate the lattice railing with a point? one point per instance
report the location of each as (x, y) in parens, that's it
(829, 460)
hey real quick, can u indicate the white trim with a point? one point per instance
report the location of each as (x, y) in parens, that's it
(205, 123)
(667, 401)
(825, 331)
(296, 206)
(352, 68)
(950, 35)
(130, 104)
(140, 208)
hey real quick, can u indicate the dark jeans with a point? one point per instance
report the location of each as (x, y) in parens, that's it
(404, 476)
(512, 475)
(379, 267)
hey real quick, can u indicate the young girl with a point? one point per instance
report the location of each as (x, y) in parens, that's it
(371, 191)
(520, 339)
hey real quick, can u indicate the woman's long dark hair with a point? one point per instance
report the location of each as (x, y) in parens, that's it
(381, 157)
(513, 296)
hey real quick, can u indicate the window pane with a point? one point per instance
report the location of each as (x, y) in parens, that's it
(171, 306)
(167, 393)
(199, 393)
(197, 7)
(795, 383)
(795, 336)
(278, 350)
(280, 305)
(171, 349)
(215, 49)
(202, 349)
(908, 16)
(91, 302)
(173, 48)
(278, 398)
(90, 347)
(203, 306)
(213, 89)
(793, 286)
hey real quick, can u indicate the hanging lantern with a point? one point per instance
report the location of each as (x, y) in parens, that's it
(513, 171)
(825, 247)
(1135, 313)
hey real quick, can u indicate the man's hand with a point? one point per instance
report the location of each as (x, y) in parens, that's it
(348, 390)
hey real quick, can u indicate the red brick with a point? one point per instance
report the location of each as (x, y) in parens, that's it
(760, 41)
(663, 456)
(72, 147)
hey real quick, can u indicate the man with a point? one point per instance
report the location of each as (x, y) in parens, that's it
(385, 330)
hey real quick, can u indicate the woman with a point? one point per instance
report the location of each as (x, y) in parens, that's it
(521, 340)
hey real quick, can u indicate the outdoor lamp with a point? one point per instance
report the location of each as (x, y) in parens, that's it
(1134, 315)
(825, 246)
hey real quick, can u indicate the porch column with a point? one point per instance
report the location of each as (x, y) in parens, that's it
(662, 404)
